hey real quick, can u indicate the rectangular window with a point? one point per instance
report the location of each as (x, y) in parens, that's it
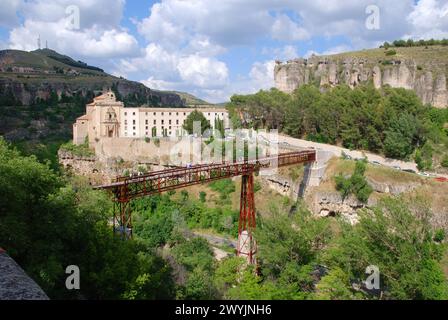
(133, 121)
(133, 113)
(169, 113)
(162, 113)
(134, 133)
(146, 122)
(177, 121)
(154, 113)
(155, 121)
(133, 128)
(125, 113)
(146, 127)
(163, 122)
(169, 121)
(125, 121)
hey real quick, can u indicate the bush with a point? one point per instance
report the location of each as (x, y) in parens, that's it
(81, 150)
(202, 196)
(445, 162)
(356, 184)
(391, 53)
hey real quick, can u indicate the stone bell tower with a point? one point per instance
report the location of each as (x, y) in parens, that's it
(110, 124)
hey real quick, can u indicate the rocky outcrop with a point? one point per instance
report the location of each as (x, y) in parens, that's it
(392, 188)
(29, 76)
(29, 90)
(429, 83)
(330, 203)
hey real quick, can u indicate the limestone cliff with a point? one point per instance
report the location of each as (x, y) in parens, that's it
(421, 69)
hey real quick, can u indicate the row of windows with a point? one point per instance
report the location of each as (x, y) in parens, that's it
(147, 133)
(146, 128)
(154, 122)
(169, 113)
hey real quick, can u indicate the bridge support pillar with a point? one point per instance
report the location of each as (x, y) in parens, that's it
(122, 213)
(247, 246)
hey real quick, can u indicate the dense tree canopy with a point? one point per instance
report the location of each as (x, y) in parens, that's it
(48, 223)
(389, 121)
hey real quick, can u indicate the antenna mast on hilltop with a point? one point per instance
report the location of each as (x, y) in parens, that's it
(46, 44)
(38, 42)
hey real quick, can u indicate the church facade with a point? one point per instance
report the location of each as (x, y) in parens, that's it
(108, 118)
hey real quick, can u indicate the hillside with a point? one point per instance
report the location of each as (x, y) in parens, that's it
(28, 76)
(422, 69)
(189, 99)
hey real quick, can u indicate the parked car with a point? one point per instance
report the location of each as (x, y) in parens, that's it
(375, 162)
(409, 170)
(396, 167)
(424, 174)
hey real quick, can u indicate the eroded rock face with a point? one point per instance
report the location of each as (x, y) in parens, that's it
(28, 93)
(392, 188)
(406, 74)
(325, 204)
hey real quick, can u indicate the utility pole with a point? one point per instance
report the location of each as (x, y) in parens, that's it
(38, 42)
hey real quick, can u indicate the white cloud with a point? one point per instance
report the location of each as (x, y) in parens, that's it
(287, 30)
(8, 12)
(102, 13)
(262, 75)
(429, 19)
(99, 35)
(93, 42)
(203, 72)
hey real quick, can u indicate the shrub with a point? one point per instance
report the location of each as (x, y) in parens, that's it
(445, 162)
(356, 184)
(391, 53)
(202, 196)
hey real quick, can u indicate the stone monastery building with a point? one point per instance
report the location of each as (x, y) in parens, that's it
(107, 117)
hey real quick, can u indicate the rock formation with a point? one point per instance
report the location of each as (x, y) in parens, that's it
(427, 79)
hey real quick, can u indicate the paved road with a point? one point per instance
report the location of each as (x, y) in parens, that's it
(337, 151)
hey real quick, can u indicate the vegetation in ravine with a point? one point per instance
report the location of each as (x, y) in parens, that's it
(48, 222)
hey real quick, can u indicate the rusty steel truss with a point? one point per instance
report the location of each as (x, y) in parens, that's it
(124, 189)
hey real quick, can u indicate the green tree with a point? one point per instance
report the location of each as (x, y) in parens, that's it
(196, 116)
(356, 184)
(396, 236)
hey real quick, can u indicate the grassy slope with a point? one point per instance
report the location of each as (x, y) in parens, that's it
(432, 58)
(189, 98)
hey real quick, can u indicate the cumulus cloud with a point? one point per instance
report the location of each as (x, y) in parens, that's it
(8, 13)
(429, 19)
(98, 35)
(287, 30)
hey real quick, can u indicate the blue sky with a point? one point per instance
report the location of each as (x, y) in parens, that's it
(212, 48)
